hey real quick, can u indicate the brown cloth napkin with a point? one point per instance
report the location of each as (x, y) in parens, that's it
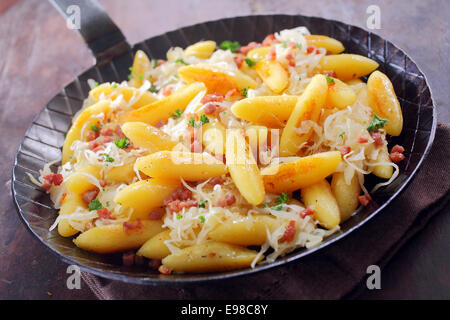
(336, 271)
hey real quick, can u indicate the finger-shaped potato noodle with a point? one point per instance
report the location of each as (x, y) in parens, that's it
(84, 120)
(384, 102)
(348, 66)
(71, 202)
(245, 231)
(162, 109)
(383, 171)
(269, 111)
(148, 137)
(210, 256)
(82, 180)
(330, 44)
(155, 248)
(346, 194)
(215, 78)
(300, 173)
(259, 53)
(273, 74)
(145, 195)
(213, 137)
(141, 65)
(122, 174)
(138, 97)
(115, 237)
(340, 95)
(320, 198)
(243, 168)
(187, 165)
(308, 107)
(201, 49)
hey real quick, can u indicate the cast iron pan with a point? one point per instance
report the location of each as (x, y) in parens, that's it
(45, 136)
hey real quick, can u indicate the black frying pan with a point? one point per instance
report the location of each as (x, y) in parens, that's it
(45, 136)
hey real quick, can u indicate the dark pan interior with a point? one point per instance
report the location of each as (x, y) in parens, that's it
(45, 136)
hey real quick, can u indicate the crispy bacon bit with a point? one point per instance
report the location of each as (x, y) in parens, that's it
(155, 215)
(269, 40)
(196, 147)
(306, 212)
(292, 45)
(215, 97)
(365, 199)
(238, 60)
(119, 131)
(106, 131)
(177, 205)
(215, 180)
(231, 93)
(105, 139)
(50, 179)
(102, 182)
(154, 263)
(166, 92)
(290, 59)
(330, 73)
(310, 49)
(46, 185)
(252, 45)
(160, 62)
(344, 150)
(289, 233)
(398, 148)
(105, 214)
(210, 108)
(227, 201)
(91, 135)
(130, 225)
(128, 258)
(164, 270)
(272, 55)
(159, 124)
(181, 194)
(90, 195)
(93, 145)
(362, 139)
(57, 179)
(396, 157)
(377, 138)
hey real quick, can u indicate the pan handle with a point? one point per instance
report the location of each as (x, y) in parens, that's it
(100, 33)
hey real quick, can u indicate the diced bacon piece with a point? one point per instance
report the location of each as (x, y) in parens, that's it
(105, 139)
(377, 138)
(238, 60)
(177, 205)
(91, 135)
(292, 44)
(164, 270)
(252, 45)
(398, 148)
(289, 233)
(159, 124)
(128, 258)
(344, 150)
(306, 212)
(362, 139)
(106, 131)
(155, 215)
(210, 108)
(90, 195)
(310, 49)
(93, 145)
(130, 225)
(46, 185)
(105, 214)
(51, 178)
(102, 182)
(181, 194)
(216, 97)
(228, 200)
(396, 157)
(232, 93)
(58, 179)
(119, 131)
(272, 55)
(290, 59)
(330, 73)
(196, 147)
(166, 92)
(215, 180)
(269, 40)
(365, 199)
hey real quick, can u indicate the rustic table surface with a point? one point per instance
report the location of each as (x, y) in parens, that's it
(39, 55)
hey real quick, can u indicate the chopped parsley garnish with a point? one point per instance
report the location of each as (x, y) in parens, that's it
(95, 205)
(179, 216)
(177, 113)
(107, 203)
(233, 46)
(131, 69)
(299, 46)
(204, 119)
(131, 76)
(155, 63)
(250, 62)
(94, 128)
(182, 61)
(95, 84)
(278, 207)
(330, 80)
(141, 77)
(299, 78)
(376, 123)
(192, 123)
(114, 85)
(108, 158)
(153, 89)
(341, 135)
(122, 143)
(284, 45)
(283, 198)
(244, 92)
(202, 219)
(202, 203)
(65, 134)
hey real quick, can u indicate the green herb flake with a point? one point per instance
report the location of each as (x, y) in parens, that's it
(95, 205)
(341, 135)
(182, 61)
(283, 198)
(131, 76)
(114, 85)
(142, 77)
(299, 78)
(251, 63)
(130, 69)
(179, 216)
(176, 114)
(330, 80)
(202, 219)
(376, 123)
(153, 89)
(122, 143)
(107, 203)
(299, 46)
(278, 207)
(202, 203)
(204, 119)
(94, 128)
(108, 158)
(244, 92)
(155, 63)
(192, 122)
(233, 46)
(284, 45)
(95, 84)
